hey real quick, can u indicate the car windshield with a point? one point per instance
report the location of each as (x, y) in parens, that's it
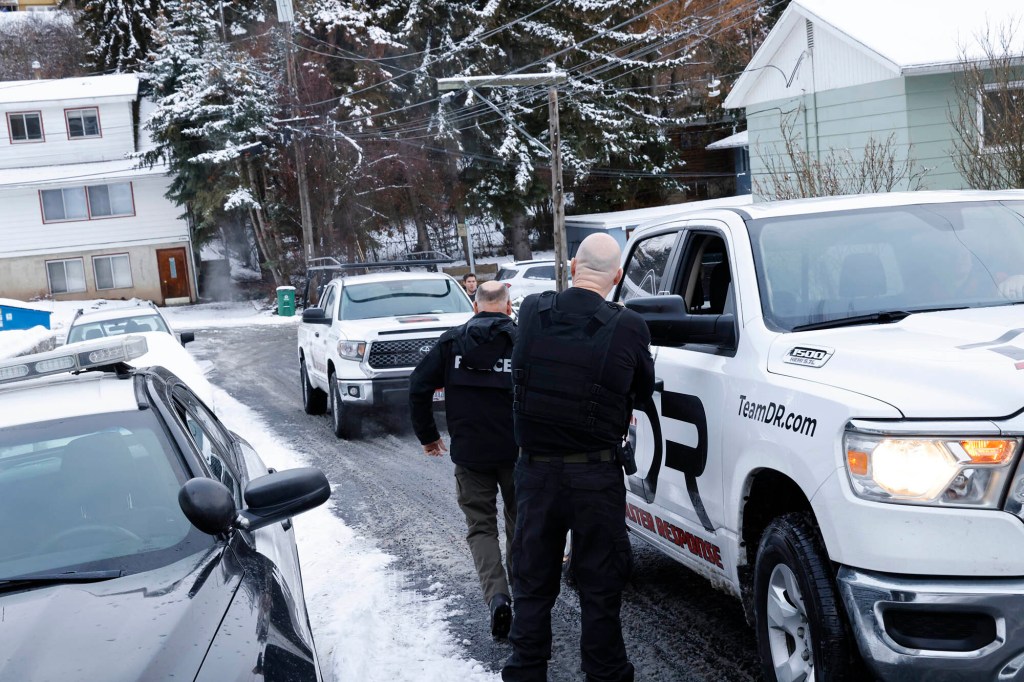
(506, 273)
(84, 331)
(813, 269)
(92, 493)
(402, 297)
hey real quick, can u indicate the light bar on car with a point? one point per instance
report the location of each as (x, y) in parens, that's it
(75, 357)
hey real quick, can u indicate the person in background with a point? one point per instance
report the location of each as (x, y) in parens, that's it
(579, 364)
(473, 363)
(469, 284)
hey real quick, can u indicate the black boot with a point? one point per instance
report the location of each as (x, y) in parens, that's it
(501, 615)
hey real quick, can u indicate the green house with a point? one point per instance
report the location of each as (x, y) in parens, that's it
(840, 73)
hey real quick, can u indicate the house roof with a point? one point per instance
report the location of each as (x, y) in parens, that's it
(902, 38)
(81, 173)
(90, 88)
(619, 220)
(740, 139)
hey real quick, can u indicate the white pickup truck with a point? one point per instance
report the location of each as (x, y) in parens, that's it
(358, 348)
(835, 437)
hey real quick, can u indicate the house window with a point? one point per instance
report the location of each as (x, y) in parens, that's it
(86, 203)
(999, 101)
(83, 123)
(25, 127)
(112, 272)
(64, 204)
(65, 276)
(109, 201)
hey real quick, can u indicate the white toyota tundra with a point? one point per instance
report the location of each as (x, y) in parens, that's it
(359, 346)
(836, 432)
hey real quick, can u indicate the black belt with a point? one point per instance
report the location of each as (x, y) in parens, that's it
(574, 457)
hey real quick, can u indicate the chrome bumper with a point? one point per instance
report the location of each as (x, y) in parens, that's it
(937, 628)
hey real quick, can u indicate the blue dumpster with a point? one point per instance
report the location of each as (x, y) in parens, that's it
(20, 315)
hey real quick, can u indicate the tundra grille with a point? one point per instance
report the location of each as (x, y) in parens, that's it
(405, 353)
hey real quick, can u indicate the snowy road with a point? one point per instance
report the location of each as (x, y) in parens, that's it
(403, 503)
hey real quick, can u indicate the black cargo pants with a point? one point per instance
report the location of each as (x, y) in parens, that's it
(553, 498)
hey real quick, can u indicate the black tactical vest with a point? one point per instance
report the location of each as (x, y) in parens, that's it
(561, 384)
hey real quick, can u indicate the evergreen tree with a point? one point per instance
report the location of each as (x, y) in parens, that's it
(120, 32)
(214, 127)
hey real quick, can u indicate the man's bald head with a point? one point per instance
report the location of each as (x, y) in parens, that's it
(492, 297)
(596, 265)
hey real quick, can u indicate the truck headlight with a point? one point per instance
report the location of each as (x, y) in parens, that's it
(954, 472)
(351, 350)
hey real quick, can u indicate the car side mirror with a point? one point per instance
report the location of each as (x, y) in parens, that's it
(187, 337)
(208, 505)
(283, 494)
(315, 316)
(671, 324)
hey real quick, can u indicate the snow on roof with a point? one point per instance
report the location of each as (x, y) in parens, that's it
(636, 216)
(391, 277)
(124, 86)
(740, 139)
(53, 15)
(13, 178)
(12, 303)
(920, 34)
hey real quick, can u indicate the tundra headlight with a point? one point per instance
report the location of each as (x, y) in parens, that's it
(948, 472)
(351, 350)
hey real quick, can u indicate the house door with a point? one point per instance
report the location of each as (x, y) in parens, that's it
(173, 270)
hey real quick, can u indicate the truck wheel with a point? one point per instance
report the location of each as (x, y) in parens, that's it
(801, 632)
(345, 421)
(314, 401)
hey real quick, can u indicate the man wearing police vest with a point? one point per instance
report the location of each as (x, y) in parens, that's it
(579, 365)
(473, 364)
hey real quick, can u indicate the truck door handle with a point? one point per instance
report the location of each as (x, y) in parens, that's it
(659, 385)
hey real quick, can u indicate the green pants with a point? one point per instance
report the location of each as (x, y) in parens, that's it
(478, 495)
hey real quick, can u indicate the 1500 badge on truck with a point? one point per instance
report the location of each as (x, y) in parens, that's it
(358, 348)
(835, 436)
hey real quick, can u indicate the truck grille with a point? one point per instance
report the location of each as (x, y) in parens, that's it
(406, 353)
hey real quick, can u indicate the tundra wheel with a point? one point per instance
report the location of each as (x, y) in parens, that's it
(314, 401)
(345, 421)
(801, 631)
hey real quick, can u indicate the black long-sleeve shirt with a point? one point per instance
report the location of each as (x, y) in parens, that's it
(473, 364)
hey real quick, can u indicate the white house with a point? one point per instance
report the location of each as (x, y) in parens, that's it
(78, 219)
(847, 72)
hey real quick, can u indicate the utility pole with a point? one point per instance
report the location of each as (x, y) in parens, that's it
(552, 79)
(285, 14)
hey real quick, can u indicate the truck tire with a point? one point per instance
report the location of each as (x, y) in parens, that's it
(345, 421)
(314, 401)
(799, 620)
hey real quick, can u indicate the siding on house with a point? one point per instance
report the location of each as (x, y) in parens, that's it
(25, 278)
(839, 120)
(155, 221)
(929, 102)
(116, 138)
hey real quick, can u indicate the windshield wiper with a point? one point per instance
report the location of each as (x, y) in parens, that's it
(884, 317)
(43, 579)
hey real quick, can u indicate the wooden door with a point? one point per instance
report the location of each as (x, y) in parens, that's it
(173, 269)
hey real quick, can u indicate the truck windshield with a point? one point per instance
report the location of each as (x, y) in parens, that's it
(402, 297)
(832, 266)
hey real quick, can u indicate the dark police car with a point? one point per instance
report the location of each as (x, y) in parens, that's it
(139, 538)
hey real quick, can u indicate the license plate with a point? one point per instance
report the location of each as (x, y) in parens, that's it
(438, 395)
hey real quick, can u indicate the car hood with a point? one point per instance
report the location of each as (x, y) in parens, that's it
(951, 364)
(155, 625)
(396, 327)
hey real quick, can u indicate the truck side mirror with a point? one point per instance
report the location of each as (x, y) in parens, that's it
(671, 325)
(315, 316)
